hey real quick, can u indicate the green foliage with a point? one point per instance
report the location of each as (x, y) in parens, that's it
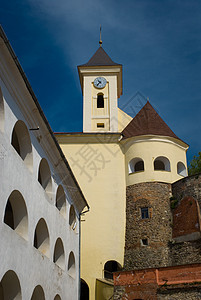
(195, 165)
(173, 202)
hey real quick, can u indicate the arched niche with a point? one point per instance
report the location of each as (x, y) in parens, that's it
(1, 111)
(162, 163)
(15, 215)
(44, 176)
(61, 200)
(41, 238)
(71, 265)
(10, 288)
(38, 293)
(21, 142)
(110, 267)
(57, 297)
(135, 165)
(181, 169)
(72, 218)
(84, 295)
(59, 254)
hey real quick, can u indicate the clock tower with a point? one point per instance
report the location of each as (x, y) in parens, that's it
(101, 83)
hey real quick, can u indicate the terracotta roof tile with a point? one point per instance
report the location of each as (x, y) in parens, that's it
(147, 121)
(100, 58)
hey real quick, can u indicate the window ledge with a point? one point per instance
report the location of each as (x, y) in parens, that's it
(136, 172)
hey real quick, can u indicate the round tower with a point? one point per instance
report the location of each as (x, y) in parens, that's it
(154, 158)
(152, 151)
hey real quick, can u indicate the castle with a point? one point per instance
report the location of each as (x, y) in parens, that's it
(144, 209)
(141, 237)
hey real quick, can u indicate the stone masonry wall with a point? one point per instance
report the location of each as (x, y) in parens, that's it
(184, 253)
(188, 186)
(156, 229)
(182, 291)
(189, 251)
(119, 291)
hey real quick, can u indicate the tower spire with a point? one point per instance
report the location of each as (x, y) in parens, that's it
(100, 42)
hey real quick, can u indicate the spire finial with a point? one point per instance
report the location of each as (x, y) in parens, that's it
(100, 42)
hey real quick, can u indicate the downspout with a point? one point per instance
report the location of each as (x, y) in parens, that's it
(79, 288)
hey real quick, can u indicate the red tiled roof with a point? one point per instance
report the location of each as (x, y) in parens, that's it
(147, 121)
(100, 58)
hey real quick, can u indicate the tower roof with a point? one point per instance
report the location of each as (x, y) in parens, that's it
(147, 121)
(98, 63)
(100, 58)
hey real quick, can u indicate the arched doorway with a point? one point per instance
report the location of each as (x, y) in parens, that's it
(84, 295)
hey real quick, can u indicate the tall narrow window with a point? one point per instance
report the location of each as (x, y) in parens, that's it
(100, 101)
(145, 213)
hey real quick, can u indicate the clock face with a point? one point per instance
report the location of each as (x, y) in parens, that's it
(100, 82)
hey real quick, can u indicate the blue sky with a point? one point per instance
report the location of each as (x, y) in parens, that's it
(157, 41)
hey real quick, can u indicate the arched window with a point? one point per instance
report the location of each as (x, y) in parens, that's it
(57, 297)
(72, 217)
(44, 176)
(15, 215)
(10, 286)
(110, 267)
(161, 163)
(84, 290)
(38, 293)
(41, 238)
(71, 265)
(59, 256)
(135, 165)
(22, 143)
(100, 100)
(181, 169)
(1, 111)
(61, 200)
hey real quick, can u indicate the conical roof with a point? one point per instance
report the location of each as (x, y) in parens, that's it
(100, 58)
(147, 121)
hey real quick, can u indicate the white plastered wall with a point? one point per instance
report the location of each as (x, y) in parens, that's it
(17, 254)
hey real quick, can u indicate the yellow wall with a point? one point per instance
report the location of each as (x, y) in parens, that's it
(103, 228)
(148, 148)
(123, 120)
(100, 165)
(91, 114)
